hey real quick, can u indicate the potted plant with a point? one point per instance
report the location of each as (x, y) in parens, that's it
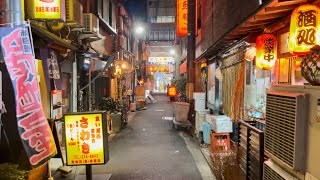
(12, 171)
(109, 105)
(181, 109)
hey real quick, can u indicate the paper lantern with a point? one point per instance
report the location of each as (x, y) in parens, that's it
(266, 51)
(172, 91)
(304, 29)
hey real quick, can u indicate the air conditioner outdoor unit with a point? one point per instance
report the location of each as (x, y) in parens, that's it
(74, 13)
(272, 171)
(293, 128)
(91, 23)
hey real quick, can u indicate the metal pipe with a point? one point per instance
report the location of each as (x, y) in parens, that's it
(11, 12)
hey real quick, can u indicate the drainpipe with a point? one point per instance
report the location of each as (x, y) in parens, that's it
(11, 11)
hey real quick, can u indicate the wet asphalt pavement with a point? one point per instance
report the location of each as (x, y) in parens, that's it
(150, 148)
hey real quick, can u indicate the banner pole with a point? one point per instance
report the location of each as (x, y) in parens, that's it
(88, 172)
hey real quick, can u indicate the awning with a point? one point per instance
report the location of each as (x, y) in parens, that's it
(271, 12)
(51, 38)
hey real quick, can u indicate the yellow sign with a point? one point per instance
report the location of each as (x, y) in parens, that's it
(85, 140)
(47, 9)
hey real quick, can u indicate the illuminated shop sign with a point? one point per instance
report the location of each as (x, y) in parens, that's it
(86, 138)
(46, 9)
(182, 18)
(172, 91)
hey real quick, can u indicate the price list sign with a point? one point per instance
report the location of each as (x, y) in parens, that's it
(86, 138)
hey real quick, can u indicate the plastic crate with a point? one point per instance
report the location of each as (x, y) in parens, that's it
(220, 142)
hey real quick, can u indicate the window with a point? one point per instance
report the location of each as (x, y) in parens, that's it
(110, 13)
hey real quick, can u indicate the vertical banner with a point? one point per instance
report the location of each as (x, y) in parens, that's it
(182, 18)
(33, 127)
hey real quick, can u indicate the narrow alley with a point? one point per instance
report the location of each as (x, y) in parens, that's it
(151, 148)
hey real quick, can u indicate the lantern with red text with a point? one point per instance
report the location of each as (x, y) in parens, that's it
(304, 29)
(172, 91)
(266, 53)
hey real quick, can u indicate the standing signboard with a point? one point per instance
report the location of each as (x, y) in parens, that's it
(86, 138)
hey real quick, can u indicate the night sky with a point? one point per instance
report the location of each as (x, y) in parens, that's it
(137, 8)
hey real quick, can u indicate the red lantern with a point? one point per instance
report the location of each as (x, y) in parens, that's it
(304, 29)
(266, 51)
(172, 91)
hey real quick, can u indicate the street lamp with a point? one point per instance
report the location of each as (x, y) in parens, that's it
(139, 30)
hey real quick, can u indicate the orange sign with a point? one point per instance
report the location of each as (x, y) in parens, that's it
(182, 18)
(304, 29)
(86, 139)
(172, 91)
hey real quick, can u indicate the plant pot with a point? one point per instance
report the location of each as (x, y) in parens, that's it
(115, 122)
(181, 111)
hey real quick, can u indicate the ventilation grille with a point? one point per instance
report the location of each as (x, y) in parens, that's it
(280, 129)
(90, 22)
(87, 22)
(270, 174)
(74, 13)
(68, 10)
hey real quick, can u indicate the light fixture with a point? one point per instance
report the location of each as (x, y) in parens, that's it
(266, 51)
(123, 66)
(139, 30)
(304, 29)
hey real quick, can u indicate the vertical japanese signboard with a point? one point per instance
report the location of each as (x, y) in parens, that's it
(46, 9)
(33, 126)
(182, 18)
(86, 138)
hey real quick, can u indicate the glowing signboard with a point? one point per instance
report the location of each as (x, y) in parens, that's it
(160, 60)
(172, 91)
(304, 29)
(182, 18)
(46, 9)
(86, 138)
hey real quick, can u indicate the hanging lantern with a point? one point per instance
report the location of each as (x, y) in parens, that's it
(266, 52)
(151, 69)
(304, 29)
